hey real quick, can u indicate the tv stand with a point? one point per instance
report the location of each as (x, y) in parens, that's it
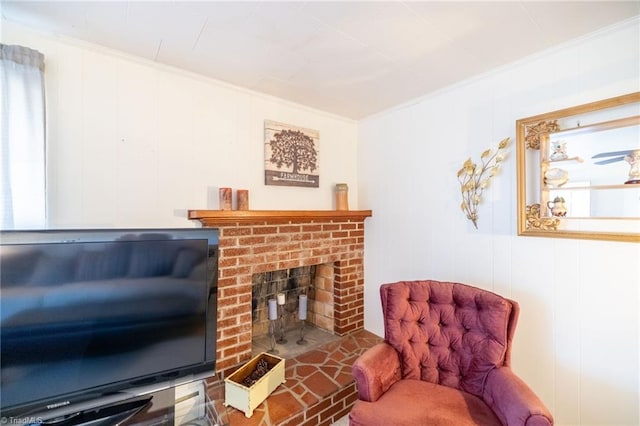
(176, 406)
(109, 414)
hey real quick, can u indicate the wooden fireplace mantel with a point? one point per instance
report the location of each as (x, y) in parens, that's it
(213, 217)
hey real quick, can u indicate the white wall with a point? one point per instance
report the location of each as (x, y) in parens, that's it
(577, 339)
(132, 143)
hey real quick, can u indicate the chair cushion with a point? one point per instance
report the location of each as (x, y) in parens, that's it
(446, 333)
(417, 403)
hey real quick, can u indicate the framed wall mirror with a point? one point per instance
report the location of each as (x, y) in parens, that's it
(578, 171)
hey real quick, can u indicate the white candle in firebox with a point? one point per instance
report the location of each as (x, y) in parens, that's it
(280, 298)
(273, 309)
(302, 309)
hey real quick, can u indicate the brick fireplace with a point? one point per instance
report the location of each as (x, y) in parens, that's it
(253, 242)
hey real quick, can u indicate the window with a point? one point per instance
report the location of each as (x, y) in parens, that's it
(22, 161)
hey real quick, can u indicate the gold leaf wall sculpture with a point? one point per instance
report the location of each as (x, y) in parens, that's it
(475, 178)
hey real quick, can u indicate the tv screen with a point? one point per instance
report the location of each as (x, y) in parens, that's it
(89, 313)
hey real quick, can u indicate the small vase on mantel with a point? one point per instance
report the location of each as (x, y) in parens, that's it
(243, 199)
(342, 196)
(225, 198)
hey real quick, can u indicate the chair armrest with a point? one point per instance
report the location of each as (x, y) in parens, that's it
(513, 401)
(375, 371)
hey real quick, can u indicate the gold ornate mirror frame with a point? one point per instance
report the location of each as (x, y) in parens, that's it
(578, 171)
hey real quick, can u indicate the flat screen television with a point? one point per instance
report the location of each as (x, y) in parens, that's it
(102, 313)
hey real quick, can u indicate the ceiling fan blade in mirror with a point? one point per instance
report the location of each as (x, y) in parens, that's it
(608, 161)
(609, 154)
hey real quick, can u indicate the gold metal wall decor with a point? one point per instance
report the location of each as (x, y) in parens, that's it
(534, 221)
(533, 134)
(534, 131)
(578, 170)
(475, 178)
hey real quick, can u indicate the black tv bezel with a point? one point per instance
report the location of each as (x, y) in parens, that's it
(89, 398)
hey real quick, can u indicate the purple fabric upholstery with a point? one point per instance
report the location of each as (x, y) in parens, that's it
(448, 335)
(381, 370)
(440, 406)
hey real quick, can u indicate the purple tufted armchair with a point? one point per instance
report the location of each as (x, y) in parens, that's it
(445, 361)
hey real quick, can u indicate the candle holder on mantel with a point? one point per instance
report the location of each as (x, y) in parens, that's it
(273, 318)
(302, 315)
(281, 301)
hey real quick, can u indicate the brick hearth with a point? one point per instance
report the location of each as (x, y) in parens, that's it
(261, 241)
(319, 388)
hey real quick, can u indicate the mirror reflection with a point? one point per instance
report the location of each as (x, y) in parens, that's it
(579, 171)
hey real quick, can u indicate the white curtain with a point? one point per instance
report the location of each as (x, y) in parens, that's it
(22, 165)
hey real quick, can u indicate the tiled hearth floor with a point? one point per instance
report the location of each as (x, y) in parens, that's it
(310, 378)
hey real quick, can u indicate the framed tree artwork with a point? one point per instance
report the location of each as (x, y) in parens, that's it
(291, 155)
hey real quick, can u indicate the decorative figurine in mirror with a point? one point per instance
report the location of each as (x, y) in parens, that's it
(631, 156)
(475, 178)
(556, 177)
(559, 151)
(557, 207)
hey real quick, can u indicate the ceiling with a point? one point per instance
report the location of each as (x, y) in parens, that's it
(350, 58)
